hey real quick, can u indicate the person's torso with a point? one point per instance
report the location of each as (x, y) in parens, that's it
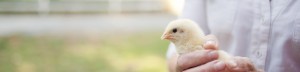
(268, 32)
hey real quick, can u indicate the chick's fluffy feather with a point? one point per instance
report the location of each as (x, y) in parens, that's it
(190, 39)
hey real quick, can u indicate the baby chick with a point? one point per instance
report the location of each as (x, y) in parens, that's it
(187, 37)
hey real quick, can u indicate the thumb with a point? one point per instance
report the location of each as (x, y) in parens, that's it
(211, 42)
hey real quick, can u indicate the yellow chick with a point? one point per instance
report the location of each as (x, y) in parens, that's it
(187, 37)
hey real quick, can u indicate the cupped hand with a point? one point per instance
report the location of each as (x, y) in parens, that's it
(206, 60)
(242, 64)
(238, 64)
(200, 61)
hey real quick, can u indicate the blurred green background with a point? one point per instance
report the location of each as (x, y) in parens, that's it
(84, 35)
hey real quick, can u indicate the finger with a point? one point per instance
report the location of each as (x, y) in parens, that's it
(195, 58)
(240, 65)
(214, 66)
(243, 64)
(248, 64)
(211, 42)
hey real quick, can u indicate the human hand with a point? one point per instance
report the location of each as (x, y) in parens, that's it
(238, 64)
(242, 64)
(202, 61)
(205, 60)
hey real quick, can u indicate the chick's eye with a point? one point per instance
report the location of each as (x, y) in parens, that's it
(174, 30)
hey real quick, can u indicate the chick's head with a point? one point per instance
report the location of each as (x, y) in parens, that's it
(182, 30)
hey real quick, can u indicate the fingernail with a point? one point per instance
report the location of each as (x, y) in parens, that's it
(219, 66)
(213, 54)
(210, 42)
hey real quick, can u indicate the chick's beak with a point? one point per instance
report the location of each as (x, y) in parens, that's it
(166, 36)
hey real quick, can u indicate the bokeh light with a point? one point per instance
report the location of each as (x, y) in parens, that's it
(84, 35)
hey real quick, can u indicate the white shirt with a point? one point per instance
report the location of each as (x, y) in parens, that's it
(267, 32)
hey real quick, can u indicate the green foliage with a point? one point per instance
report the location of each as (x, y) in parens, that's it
(136, 52)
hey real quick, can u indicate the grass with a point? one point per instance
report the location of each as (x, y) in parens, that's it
(135, 52)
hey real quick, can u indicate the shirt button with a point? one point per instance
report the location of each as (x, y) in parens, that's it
(258, 54)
